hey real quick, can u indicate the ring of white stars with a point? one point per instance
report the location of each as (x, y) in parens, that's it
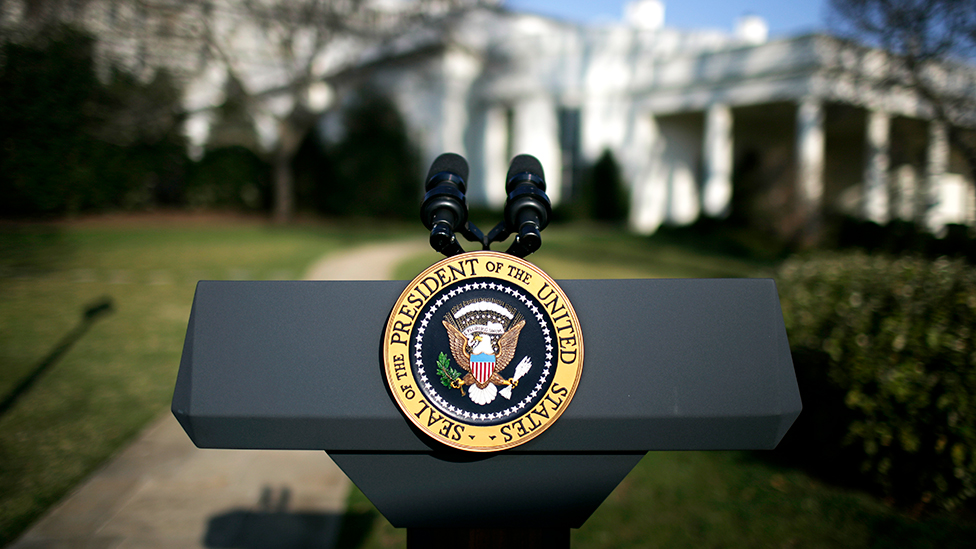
(536, 312)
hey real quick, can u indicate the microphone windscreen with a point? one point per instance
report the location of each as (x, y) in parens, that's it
(449, 162)
(525, 163)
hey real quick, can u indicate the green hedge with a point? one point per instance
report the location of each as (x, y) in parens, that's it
(70, 143)
(372, 170)
(229, 177)
(605, 196)
(892, 340)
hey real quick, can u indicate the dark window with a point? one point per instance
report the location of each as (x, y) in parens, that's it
(569, 145)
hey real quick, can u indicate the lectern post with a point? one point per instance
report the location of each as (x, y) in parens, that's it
(488, 538)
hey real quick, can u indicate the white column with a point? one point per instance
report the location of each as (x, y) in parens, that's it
(937, 164)
(495, 161)
(876, 163)
(717, 191)
(460, 71)
(906, 186)
(810, 163)
(648, 205)
(536, 133)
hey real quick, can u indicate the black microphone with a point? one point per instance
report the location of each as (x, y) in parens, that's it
(528, 209)
(445, 208)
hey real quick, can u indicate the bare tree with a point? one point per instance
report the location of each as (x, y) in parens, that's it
(933, 43)
(301, 42)
(273, 54)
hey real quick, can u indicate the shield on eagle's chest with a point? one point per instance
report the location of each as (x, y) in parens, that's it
(482, 366)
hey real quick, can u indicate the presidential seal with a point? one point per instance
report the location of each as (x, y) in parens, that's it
(483, 351)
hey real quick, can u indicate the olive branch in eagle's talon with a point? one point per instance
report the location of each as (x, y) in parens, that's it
(449, 376)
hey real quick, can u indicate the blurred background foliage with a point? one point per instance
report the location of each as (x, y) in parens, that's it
(884, 350)
(73, 144)
(602, 196)
(372, 170)
(230, 177)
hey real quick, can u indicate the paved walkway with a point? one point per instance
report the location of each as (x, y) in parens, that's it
(162, 492)
(370, 262)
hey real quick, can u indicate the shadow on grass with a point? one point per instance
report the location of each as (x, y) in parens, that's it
(356, 527)
(244, 529)
(90, 314)
(815, 441)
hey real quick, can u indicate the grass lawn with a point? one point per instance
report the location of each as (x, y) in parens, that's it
(698, 499)
(598, 251)
(719, 499)
(119, 375)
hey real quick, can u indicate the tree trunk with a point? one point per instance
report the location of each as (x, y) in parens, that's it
(289, 139)
(284, 188)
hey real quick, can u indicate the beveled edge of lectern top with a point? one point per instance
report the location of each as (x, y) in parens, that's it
(671, 364)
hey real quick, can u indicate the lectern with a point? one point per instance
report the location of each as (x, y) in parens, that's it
(668, 365)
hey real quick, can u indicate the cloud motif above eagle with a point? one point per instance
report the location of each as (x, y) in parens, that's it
(477, 329)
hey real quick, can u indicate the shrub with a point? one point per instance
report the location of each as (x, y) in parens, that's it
(44, 89)
(69, 143)
(900, 237)
(229, 177)
(608, 194)
(603, 194)
(896, 340)
(372, 170)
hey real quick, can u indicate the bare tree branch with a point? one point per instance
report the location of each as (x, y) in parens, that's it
(933, 43)
(272, 50)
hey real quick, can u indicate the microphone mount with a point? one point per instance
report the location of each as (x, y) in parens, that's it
(445, 210)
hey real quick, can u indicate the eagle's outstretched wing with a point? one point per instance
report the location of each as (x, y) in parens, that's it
(459, 345)
(506, 346)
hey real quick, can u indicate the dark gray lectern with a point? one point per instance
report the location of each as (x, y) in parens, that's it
(669, 365)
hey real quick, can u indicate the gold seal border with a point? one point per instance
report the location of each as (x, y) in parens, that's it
(398, 355)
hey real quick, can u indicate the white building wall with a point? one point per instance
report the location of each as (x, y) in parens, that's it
(619, 76)
(717, 153)
(876, 167)
(536, 132)
(495, 162)
(937, 160)
(460, 71)
(419, 91)
(953, 203)
(648, 205)
(636, 154)
(683, 138)
(810, 146)
(668, 189)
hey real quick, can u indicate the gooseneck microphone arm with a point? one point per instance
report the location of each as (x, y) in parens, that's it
(445, 208)
(527, 209)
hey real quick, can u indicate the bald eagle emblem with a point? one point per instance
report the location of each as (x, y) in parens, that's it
(483, 335)
(482, 351)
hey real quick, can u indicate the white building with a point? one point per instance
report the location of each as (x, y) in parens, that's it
(801, 126)
(804, 124)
